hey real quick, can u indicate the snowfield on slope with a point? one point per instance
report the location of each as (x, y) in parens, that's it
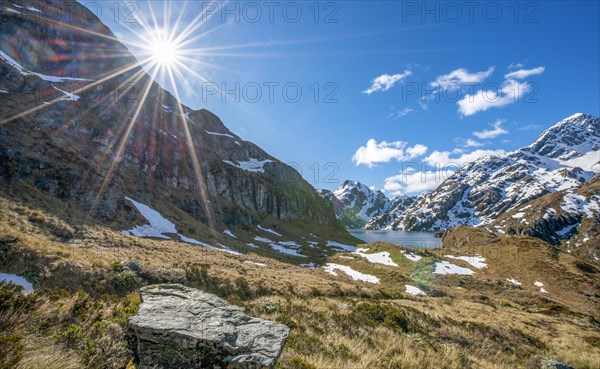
(355, 275)
(376, 258)
(446, 268)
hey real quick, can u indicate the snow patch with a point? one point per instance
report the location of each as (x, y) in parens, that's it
(410, 256)
(15, 279)
(219, 134)
(229, 233)
(446, 268)
(376, 258)
(252, 165)
(268, 230)
(476, 261)
(262, 239)
(286, 250)
(513, 281)
(158, 224)
(26, 72)
(254, 263)
(355, 275)
(412, 290)
(68, 95)
(338, 245)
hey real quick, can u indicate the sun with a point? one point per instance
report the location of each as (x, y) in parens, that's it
(164, 53)
(162, 49)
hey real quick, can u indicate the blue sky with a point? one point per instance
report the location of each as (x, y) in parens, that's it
(400, 87)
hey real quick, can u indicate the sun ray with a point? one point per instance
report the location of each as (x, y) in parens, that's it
(121, 147)
(195, 161)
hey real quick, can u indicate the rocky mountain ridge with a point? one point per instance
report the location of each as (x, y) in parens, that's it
(564, 157)
(356, 205)
(83, 124)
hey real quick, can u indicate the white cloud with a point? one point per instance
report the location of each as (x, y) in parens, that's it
(472, 143)
(386, 81)
(524, 73)
(459, 77)
(529, 127)
(457, 157)
(516, 66)
(510, 92)
(400, 113)
(384, 151)
(414, 182)
(418, 177)
(487, 133)
(416, 151)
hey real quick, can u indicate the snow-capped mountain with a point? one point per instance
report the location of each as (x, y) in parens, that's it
(355, 203)
(570, 218)
(399, 206)
(564, 157)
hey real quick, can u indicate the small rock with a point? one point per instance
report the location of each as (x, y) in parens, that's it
(181, 327)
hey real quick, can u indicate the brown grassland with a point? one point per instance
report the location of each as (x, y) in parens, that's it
(87, 277)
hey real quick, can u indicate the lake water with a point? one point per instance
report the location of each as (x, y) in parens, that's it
(418, 240)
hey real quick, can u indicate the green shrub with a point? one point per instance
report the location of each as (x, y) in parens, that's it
(11, 349)
(124, 282)
(269, 306)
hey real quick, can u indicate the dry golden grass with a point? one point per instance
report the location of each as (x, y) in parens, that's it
(478, 321)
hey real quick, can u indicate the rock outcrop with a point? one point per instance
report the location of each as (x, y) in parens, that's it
(181, 327)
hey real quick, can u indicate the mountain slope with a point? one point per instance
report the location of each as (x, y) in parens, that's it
(355, 204)
(564, 157)
(570, 218)
(83, 124)
(399, 206)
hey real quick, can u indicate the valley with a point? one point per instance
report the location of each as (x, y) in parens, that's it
(138, 230)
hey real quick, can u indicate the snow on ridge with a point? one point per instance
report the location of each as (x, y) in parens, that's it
(252, 165)
(376, 258)
(446, 268)
(355, 275)
(26, 72)
(476, 261)
(269, 230)
(219, 134)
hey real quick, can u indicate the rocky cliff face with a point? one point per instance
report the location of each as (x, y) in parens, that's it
(180, 327)
(356, 204)
(81, 122)
(564, 157)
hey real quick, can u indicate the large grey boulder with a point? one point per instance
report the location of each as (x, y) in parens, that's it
(181, 327)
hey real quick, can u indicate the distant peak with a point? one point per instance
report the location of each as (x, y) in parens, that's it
(574, 116)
